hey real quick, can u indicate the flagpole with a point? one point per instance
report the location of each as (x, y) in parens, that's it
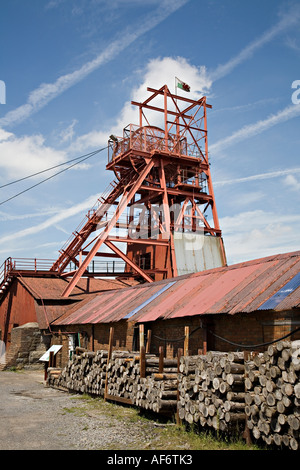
(177, 120)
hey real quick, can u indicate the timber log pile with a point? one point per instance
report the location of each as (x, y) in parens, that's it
(122, 372)
(95, 372)
(90, 372)
(157, 391)
(84, 373)
(211, 390)
(220, 390)
(272, 383)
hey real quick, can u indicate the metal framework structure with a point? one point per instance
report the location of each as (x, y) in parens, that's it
(162, 188)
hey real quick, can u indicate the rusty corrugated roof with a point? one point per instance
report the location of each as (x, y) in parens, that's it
(109, 306)
(243, 287)
(50, 305)
(52, 287)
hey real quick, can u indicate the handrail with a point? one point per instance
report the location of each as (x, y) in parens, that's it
(13, 265)
(147, 139)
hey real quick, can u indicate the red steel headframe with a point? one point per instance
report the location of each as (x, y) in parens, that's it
(153, 164)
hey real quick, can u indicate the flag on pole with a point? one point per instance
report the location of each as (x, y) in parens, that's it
(182, 85)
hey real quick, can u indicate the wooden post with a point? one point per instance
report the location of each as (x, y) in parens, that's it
(93, 337)
(110, 346)
(46, 364)
(142, 352)
(186, 340)
(148, 344)
(110, 343)
(141, 329)
(51, 359)
(179, 354)
(161, 360)
(204, 338)
(142, 362)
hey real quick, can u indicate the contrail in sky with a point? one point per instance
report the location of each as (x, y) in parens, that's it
(261, 176)
(288, 20)
(46, 92)
(258, 127)
(50, 221)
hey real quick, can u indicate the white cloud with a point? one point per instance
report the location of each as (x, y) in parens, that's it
(4, 135)
(246, 107)
(292, 44)
(63, 214)
(22, 156)
(158, 72)
(261, 176)
(259, 233)
(292, 182)
(162, 71)
(4, 216)
(256, 128)
(53, 4)
(46, 92)
(67, 134)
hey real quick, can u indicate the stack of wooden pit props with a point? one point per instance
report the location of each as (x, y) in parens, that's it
(122, 372)
(211, 390)
(273, 395)
(78, 373)
(222, 390)
(157, 391)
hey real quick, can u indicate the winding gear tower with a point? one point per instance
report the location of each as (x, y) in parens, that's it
(161, 204)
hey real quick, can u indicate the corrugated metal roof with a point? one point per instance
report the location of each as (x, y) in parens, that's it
(281, 295)
(50, 305)
(52, 288)
(150, 299)
(244, 287)
(110, 306)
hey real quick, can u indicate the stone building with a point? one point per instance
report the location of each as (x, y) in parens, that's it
(28, 306)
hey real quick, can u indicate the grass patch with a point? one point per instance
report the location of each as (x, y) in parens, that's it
(159, 433)
(15, 369)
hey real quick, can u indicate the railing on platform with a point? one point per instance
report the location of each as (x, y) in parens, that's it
(148, 139)
(101, 267)
(13, 265)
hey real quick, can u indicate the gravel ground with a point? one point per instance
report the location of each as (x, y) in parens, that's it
(36, 417)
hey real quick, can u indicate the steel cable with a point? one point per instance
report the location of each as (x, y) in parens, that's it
(86, 157)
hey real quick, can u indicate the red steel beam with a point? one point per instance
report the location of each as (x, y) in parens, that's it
(127, 196)
(140, 241)
(128, 261)
(182, 98)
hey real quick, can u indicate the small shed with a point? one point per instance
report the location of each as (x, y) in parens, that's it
(238, 307)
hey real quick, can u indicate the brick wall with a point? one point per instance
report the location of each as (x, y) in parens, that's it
(255, 328)
(173, 331)
(242, 329)
(93, 338)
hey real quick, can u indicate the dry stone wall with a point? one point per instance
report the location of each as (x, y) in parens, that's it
(27, 346)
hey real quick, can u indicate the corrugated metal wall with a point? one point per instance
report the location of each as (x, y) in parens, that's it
(197, 252)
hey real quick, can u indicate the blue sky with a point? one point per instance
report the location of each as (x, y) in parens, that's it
(71, 68)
